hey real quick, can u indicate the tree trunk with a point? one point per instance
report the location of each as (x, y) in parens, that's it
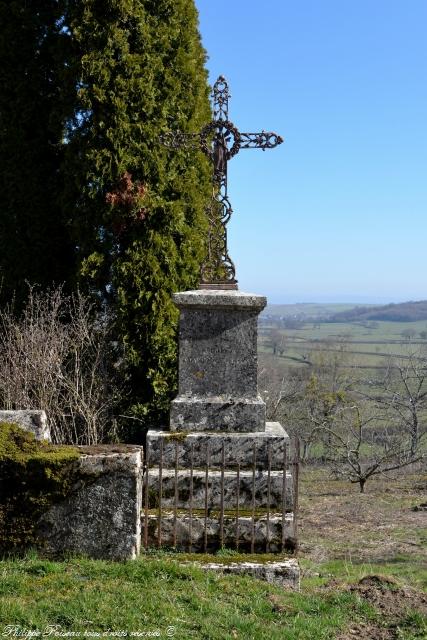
(414, 434)
(305, 449)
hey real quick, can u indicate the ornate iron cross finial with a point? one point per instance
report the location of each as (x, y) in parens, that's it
(220, 140)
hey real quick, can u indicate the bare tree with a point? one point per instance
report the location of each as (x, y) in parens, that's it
(326, 392)
(58, 356)
(358, 434)
(356, 456)
(278, 389)
(305, 399)
(277, 341)
(403, 393)
(409, 334)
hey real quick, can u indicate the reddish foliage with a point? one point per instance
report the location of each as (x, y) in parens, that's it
(125, 196)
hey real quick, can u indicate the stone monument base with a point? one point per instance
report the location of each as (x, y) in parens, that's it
(239, 447)
(217, 413)
(262, 535)
(203, 491)
(220, 475)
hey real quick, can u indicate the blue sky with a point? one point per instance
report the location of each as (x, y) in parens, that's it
(339, 211)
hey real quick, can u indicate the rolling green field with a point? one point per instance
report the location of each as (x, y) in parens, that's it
(308, 309)
(368, 345)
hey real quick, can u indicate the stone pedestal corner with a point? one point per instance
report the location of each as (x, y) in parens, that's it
(31, 420)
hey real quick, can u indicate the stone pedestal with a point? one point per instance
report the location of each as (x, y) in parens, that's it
(220, 468)
(218, 362)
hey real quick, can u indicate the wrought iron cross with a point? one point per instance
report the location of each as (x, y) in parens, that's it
(220, 140)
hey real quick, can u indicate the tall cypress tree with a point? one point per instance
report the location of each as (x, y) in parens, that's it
(34, 241)
(137, 207)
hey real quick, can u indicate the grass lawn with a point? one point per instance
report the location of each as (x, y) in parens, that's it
(364, 576)
(156, 594)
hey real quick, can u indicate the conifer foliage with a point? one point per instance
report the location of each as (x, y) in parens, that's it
(34, 241)
(134, 210)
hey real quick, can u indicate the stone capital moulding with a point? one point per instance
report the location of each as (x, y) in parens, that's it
(219, 299)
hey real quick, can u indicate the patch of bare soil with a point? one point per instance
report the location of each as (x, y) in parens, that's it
(338, 522)
(367, 632)
(392, 602)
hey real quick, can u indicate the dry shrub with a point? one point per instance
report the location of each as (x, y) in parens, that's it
(58, 356)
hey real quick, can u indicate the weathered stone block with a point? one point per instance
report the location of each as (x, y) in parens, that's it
(238, 448)
(218, 352)
(284, 574)
(268, 492)
(217, 414)
(268, 535)
(29, 419)
(218, 362)
(101, 516)
(219, 299)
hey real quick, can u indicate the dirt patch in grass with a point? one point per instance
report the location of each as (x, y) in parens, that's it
(345, 531)
(395, 605)
(389, 598)
(367, 632)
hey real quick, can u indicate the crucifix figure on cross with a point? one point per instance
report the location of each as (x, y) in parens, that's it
(220, 140)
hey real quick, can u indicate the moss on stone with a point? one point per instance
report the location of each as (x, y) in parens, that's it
(33, 476)
(176, 436)
(227, 556)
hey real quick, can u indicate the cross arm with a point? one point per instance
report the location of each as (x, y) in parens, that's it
(262, 140)
(180, 140)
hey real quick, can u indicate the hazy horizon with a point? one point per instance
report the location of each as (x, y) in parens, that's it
(338, 299)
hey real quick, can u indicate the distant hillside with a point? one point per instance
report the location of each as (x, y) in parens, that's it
(307, 311)
(403, 312)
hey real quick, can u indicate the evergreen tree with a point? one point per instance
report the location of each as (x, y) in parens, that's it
(138, 208)
(34, 240)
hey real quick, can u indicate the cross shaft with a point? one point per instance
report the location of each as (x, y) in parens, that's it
(220, 140)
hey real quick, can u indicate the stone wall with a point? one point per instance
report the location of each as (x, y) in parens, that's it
(62, 500)
(101, 515)
(88, 501)
(30, 420)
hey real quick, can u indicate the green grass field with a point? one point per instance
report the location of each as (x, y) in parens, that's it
(158, 597)
(308, 309)
(365, 346)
